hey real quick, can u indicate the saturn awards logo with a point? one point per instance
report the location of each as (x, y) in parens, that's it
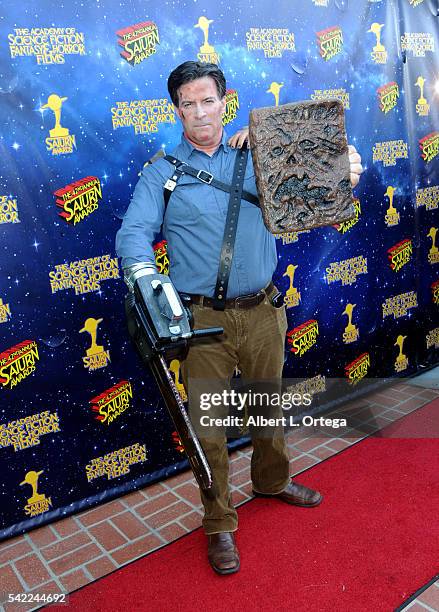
(60, 141)
(345, 226)
(207, 53)
(422, 106)
(37, 502)
(392, 215)
(388, 95)
(357, 369)
(232, 105)
(400, 254)
(379, 53)
(178, 444)
(112, 402)
(161, 257)
(429, 146)
(17, 363)
(330, 42)
(138, 41)
(274, 89)
(433, 254)
(79, 199)
(402, 361)
(174, 367)
(5, 311)
(292, 295)
(303, 337)
(97, 357)
(351, 332)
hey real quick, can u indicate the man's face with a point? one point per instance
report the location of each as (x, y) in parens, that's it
(200, 110)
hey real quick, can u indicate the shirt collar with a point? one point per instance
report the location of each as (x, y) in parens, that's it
(189, 147)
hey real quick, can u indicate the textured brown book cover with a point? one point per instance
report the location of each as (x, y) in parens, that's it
(300, 156)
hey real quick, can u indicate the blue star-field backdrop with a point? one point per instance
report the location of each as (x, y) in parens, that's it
(70, 51)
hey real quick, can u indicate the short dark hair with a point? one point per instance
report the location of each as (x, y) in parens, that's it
(190, 71)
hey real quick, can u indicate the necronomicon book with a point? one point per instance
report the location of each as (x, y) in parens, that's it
(301, 162)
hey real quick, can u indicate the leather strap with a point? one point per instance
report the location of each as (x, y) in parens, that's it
(203, 176)
(171, 183)
(227, 248)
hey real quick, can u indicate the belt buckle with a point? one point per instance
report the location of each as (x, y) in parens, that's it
(207, 180)
(240, 302)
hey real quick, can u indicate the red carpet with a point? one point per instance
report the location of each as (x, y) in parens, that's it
(372, 542)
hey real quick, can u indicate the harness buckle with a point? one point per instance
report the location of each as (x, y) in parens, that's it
(204, 176)
(170, 185)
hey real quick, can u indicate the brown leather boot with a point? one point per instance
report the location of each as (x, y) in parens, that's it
(222, 553)
(296, 494)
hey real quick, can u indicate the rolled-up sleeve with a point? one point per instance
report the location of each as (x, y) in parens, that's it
(142, 220)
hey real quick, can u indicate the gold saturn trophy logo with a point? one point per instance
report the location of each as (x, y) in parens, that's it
(401, 362)
(207, 52)
(275, 89)
(38, 502)
(351, 332)
(60, 140)
(292, 296)
(5, 311)
(433, 255)
(379, 53)
(392, 215)
(174, 367)
(422, 106)
(96, 357)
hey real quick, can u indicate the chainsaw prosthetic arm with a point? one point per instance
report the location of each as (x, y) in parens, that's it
(137, 270)
(159, 324)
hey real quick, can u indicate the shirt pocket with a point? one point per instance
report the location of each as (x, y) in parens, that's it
(193, 200)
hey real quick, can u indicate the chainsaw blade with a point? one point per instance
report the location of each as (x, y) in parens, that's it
(183, 425)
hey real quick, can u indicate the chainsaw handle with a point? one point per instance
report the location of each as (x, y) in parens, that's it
(209, 331)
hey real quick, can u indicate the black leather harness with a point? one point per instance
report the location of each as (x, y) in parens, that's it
(203, 176)
(237, 193)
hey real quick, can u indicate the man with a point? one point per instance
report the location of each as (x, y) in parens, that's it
(254, 329)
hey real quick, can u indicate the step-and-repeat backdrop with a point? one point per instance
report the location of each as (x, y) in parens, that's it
(83, 104)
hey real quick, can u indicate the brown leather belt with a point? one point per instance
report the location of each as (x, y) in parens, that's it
(243, 302)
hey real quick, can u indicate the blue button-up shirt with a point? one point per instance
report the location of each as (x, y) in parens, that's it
(193, 225)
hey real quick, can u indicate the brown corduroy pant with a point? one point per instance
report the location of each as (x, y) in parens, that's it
(253, 340)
